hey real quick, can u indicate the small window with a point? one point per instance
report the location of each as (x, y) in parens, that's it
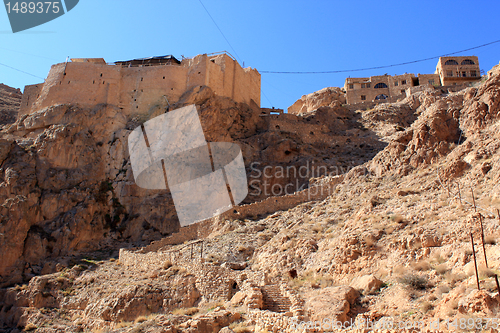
(380, 85)
(396, 83)
(449, 73)
(464, 74)
(363, 97)
(351, 86)
(368, 85)
(363, 85)
(381, 97)
(431, 81)
(473, 73)
(403, 82)
(451, 62)
(468, 62)
(403, 91)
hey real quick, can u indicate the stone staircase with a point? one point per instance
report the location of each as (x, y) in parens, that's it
(274, 300)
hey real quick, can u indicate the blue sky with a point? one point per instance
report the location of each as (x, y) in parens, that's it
(266, 35)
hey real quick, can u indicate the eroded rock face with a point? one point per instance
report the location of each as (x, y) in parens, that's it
(66, 184)
(331, 96)
(332, 303)
(10, 101)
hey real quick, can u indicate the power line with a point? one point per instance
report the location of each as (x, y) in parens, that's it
(232, 48)
(380, 67)
(21, 71)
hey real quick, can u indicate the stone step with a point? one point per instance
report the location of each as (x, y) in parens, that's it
(274, 300)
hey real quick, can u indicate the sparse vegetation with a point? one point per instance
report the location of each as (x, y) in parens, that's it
(415, 281)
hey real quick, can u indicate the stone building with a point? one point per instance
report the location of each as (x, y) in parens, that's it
(457, 70)
(387, 88)
(140, 85)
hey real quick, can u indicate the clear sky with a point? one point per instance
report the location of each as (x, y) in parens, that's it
(264, 34)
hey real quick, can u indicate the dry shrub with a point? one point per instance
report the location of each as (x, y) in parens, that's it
(186, 311)
(441, 269)
(421, 266)
(140, 319)
(485, 272)
(240, 327)
(426, 306)
(490, 239)
(415, 281)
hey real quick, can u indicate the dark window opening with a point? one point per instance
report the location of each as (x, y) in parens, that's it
(380, 85)
(381, 97)
(468, 62)
(163, 78)
(464, 74)
(351, 86)
(363, 97)
(287, 152)
(142, 78)
(415, 81)
(473, 73)
(101, 74)
(451, 62)
(449, 73)
(277, 127)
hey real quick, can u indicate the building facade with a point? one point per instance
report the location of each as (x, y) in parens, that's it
(389, 89)
(140, 85)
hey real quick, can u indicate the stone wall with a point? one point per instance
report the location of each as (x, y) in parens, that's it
(141, 90)
(30, 95)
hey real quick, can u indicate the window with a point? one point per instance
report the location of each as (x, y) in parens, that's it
(403, 91)
(363, 85)
(468, 62)
(464, 74)
(403, 82)
(396, 83)
(449, 73)
(363, 97)
(473, 73)
(380, 85)
(451, 62)
(380, 97)
(351, 86)
(431, 81)
(368, 85)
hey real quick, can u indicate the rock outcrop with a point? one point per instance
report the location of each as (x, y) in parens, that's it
(331, 96)
(10, 101)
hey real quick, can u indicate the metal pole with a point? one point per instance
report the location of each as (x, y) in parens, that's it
(459, 194)
(482, 239)
(475, 262)
(473, 200)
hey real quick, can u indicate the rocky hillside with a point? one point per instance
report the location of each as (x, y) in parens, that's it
(66, 185)
(392, 241)
(10, 101)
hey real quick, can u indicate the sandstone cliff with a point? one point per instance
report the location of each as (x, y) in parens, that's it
(10, 101)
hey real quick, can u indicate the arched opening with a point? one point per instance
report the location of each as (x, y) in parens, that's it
(380, 85)
(468, 62)
(233, 289)
(451, 62)
(381, 97)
